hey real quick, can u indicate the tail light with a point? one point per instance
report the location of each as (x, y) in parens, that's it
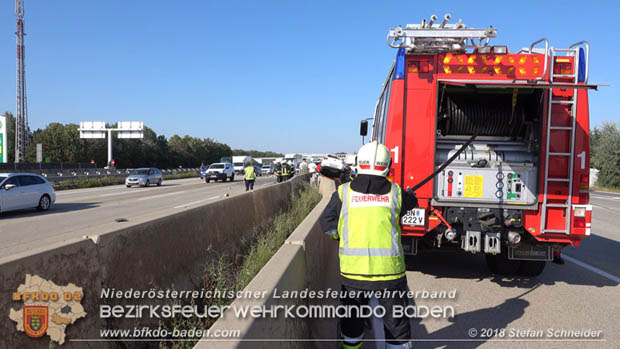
(584, 189)
(584, 182)
(580, 217)
(563, 66)
(579, 222)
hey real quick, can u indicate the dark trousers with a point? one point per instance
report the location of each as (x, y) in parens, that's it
(249, 184)
(397, 330)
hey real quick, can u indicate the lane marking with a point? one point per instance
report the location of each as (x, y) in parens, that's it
(121, 193)
(161, 195)
(591, 268)
(196, 202)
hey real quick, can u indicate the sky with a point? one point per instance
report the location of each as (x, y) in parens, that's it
(287, 76)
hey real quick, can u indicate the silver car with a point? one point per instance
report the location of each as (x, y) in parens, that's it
(25, 190)
(144, 177)
(267, 169)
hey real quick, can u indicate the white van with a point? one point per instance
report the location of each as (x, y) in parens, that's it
(239, 163)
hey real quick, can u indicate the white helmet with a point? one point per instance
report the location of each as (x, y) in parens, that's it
(283, 162)
(374, 159)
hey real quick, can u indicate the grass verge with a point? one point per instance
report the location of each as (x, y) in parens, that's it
(234, 273)
(80, 182)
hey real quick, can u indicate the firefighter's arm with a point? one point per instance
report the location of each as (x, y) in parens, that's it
(410, 201)
(331, 215)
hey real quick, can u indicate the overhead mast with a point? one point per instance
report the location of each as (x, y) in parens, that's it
(21, 112)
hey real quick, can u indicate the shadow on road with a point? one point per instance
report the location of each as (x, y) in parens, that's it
(458, 264)
(599, 252)
(55, 209)
(459, 333)
(466, 330)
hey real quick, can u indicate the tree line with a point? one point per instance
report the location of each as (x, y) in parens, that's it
(605, 154)
(62, 143)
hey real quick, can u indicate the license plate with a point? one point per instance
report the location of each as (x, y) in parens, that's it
(525, 252)
(414, 218)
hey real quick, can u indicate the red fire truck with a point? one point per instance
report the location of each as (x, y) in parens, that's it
(501, 138)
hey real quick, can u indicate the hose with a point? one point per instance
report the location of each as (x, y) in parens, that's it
(466, 115)
(445, 164)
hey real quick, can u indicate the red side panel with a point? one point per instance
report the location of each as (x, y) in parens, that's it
(394, 126)
(418, 150)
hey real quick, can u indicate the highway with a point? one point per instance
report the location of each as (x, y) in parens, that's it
(582, 294)
(491, 311)
(81, 212)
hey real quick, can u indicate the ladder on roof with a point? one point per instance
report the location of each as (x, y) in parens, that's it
(556, 129)
(428, 37)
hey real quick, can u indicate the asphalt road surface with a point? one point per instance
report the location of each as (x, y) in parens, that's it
(511, 312)
(79, 212)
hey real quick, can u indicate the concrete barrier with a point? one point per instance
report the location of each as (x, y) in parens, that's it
(160, 253)
(307, 260)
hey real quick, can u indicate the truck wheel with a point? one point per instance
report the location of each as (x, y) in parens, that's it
(531, 268)
(501, 265)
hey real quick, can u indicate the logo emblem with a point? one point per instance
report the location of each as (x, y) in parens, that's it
(35, 320)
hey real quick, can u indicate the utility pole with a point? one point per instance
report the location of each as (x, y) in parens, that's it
(21, 114)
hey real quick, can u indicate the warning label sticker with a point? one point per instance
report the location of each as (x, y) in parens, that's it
(473, 186)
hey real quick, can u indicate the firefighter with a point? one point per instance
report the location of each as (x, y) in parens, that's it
(364, 216)
(283, 174)
(291, 169)
(249, 176)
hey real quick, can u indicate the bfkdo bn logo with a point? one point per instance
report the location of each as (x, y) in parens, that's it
(47, 308)
(35, 320)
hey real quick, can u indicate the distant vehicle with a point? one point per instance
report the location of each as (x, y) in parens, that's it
(267, 169)
(239, 163)
(258, 169)
(25, 190)
(144, 177)
(295, 159)
(220, 171)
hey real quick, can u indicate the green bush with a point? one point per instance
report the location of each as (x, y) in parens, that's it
(605, 154)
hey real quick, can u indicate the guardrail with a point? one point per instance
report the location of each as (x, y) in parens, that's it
(57, 174)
